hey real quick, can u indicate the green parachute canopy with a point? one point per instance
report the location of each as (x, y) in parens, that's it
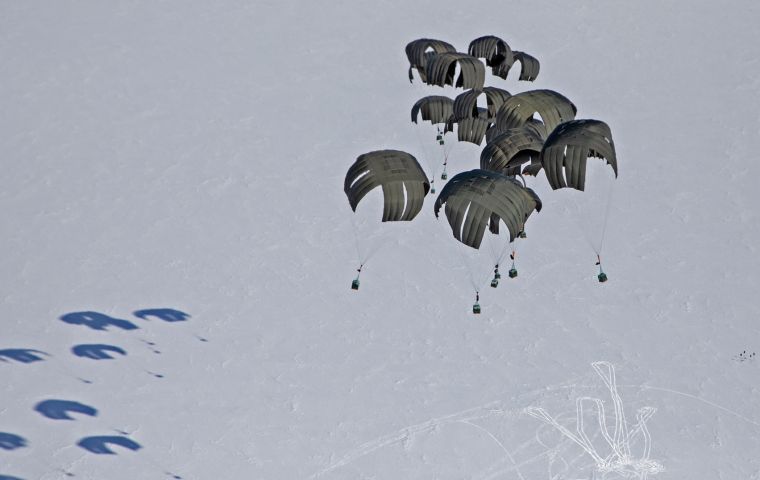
(510, 150)
(567, 148)
(434, 108)
(479, 198)
(529, 66)
(496, 53)
(500, 57)
(419, 51)
(441, 70)
(466, 103)
(470, 129)
(517, 110)
(401, 177)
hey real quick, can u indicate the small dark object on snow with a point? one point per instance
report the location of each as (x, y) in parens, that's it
(476, 308)
(512, 272)
(355, 284)
(602, 277)
(495, 282)
(444, 176)
(523, 235)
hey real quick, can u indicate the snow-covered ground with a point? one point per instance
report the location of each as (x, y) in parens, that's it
(171, 195)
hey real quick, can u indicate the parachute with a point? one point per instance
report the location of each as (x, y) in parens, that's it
(529, 66)
(472, 121)
(401, 177)
(418, 52)
(466, 104)
(441, 70)
(517, 110)
(500, 57)
(479, 198)
(495, 51)
(525, 133)
(470, 129)
(510, 150)
(435, 109)
(570, 145)
(564, 160)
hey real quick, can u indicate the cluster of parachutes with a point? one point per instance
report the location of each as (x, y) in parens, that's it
(526, 133)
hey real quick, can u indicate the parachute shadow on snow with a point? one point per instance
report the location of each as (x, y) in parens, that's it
(11, 441)
(21, 355)
(165, 314)
(100, 445)
(97, 351)
(60, 409)
(97, 321)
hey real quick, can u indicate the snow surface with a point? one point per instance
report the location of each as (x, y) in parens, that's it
(189, 157)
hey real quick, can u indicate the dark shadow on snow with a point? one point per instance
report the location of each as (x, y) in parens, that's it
(60, 409)
(97, 351)
(11, 441)
(22, 355)
(100, 445)
(165, 314)
(97, 321)
(8, 477)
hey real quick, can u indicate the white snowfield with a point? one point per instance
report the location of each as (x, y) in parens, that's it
(178, 250)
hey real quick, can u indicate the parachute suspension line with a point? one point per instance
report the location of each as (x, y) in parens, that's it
(444, 175)
(606, 218)
(371, 247)
(355, 282)
(602, 277)
(496, 255)
(431, 165)
(446, 152)
(356, 240)
(470, 273)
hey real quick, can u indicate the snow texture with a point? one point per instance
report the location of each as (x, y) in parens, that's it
(178, 250)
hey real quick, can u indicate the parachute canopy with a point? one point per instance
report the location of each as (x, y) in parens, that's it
(470, 129)
(466, 104)
(441, 70)
(478, 198)
(401, 176)
(419, 51)
(435, 109)
(517, 110)
(500, 57)
(511, 149)
(567, 148)
(529, 66)
(403, 181)
(494, 50)
(472, 121)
